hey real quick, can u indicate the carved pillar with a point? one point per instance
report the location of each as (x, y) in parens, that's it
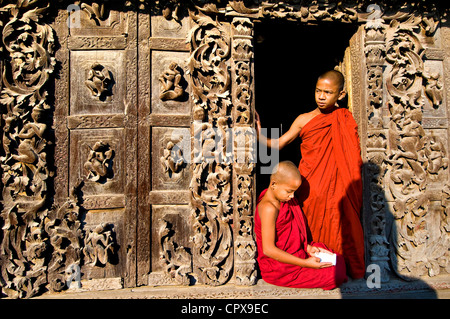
(43, 244)
(244, 148)
(417, 160)
(28, 45)
(211, 168)
(375, 204)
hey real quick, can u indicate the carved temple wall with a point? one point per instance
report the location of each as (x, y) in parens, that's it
(112, 175)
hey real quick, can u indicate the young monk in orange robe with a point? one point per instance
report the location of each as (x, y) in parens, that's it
(285, 257)
(331, 194)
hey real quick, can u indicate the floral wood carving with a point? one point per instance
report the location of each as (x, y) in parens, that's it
(38, 243)
(58, 245)
(29, 45)
(244, 139)
(211, 182)
(375, 48)
(414, 159)
(63, 227)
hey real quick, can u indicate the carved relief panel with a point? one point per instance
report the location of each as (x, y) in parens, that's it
(169, 89)
(96, 82)
(168, 127)
(100, 55)
(98, 159)
(406, 146)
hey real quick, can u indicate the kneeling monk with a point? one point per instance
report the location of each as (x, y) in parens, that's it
(285, 257)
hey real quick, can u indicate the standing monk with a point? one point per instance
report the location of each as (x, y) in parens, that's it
(331, 192)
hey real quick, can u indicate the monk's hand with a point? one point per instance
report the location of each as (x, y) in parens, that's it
(258, 123)
(314, 262)
(312, 250)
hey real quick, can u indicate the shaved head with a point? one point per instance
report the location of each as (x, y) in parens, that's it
(335, 77)
(285, 171)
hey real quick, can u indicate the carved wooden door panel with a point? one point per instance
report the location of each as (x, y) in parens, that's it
(96, 134)
(196, 196)
(164, 112)
(128, 144)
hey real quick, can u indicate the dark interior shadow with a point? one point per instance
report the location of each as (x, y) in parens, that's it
(288, 60)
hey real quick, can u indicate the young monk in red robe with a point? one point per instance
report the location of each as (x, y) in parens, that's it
(331, 194)
(285, 257)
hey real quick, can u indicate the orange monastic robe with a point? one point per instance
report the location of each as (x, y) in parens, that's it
(331, 192)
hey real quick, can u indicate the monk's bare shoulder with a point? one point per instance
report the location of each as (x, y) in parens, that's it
(304, 118)
(267, 209)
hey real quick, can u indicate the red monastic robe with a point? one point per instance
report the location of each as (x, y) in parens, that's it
(331, 191)
(291, 236)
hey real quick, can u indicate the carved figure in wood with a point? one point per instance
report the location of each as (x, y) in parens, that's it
(434, 88)
(99, 162)
(170, 83)
(98, 245)
(30, 135)
(99, 81)
(176, 259)
(172, 159)
(97, 11)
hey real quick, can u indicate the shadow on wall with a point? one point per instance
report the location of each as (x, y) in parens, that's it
(382, 279)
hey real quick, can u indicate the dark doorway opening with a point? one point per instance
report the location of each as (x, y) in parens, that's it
(288, 59)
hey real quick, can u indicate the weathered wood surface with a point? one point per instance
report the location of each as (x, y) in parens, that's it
(104, 173)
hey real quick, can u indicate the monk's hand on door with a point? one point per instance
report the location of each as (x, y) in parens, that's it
(258, 123)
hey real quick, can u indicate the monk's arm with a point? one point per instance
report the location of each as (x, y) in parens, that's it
(285, 139)
(268, 215)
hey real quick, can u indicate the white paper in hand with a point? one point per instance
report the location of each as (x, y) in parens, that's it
(326, 258)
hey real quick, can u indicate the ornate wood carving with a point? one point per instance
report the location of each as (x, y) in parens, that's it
(244, 147)
(434, 88)
(170, 79)
(176, 260)
(99, 245)
(63, 227)
(100, 81)
(172, 160)
(400, 166)
(211, 182)
(42, 244)
(26, 173)
(99, 163)
(376, 143)
(410, 164)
